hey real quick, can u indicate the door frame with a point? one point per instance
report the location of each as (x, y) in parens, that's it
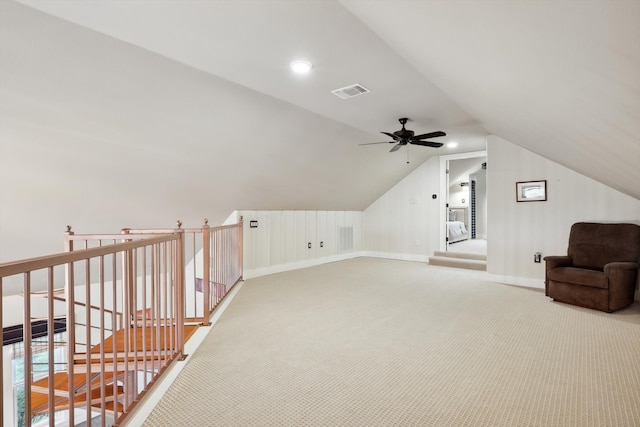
(444, 190)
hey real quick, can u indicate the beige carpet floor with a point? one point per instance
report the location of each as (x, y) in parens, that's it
(469, 246)
(371, 342)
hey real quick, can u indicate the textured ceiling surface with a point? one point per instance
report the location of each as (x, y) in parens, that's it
(137, 113)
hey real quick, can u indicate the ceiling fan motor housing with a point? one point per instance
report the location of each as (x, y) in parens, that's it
(404, 136)
(403, 133)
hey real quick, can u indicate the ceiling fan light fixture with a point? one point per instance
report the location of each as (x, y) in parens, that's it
(452, 144)
(301, 66)
(405, 136)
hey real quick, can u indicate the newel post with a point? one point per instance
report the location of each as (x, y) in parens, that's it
(206, 273)
(179, 290)
(241, 247)
(69, 285)
(127, 282)
(128, 312)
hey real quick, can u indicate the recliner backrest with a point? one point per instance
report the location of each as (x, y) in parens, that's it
(593, 245)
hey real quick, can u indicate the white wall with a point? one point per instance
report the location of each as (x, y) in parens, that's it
(406, 213)
(459, 197)
(404, 222)
(281, 240)
(517, 230)
(13, 309)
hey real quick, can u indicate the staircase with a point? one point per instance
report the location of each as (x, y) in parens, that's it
(459, 260)
(100, 375)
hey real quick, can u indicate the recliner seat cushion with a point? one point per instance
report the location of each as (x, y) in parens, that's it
(579, 276)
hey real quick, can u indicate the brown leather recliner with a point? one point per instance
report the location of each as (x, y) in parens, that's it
(601, 267)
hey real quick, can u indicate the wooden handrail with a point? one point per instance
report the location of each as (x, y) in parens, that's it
(45, 294)
(40, 263)
(82, 304)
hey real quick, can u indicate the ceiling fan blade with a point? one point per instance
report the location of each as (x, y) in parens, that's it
(395, 138)
(427, 143)
(395, 148)
(371, 143)
(429, 135)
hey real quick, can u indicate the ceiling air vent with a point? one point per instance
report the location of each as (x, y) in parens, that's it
(350, 91)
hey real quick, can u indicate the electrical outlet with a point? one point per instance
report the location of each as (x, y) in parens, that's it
(417, 242)
(537, 257)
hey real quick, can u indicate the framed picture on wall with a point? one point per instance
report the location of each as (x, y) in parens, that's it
(531, 191)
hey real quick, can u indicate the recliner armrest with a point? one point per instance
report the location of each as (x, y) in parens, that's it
(620, 266)
(557, 261)
(552, 262)
(622, 277)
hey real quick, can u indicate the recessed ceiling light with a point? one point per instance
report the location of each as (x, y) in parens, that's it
(301, 67)
(452, 144)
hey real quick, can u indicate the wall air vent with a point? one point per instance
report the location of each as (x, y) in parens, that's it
(345, 239)
(350, 91)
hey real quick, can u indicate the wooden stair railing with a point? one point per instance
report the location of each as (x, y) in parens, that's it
(215, 256)
(145, 271)
(125, 312)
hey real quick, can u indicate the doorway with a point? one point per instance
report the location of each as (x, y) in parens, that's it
(464, 205)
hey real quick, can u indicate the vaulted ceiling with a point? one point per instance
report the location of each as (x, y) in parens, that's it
(137, 113)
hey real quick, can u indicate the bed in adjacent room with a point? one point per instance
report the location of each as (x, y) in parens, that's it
(456, 225)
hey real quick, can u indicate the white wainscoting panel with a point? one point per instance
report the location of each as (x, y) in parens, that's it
(281, 240)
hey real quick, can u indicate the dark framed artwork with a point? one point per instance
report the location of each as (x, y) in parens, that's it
(531, 191)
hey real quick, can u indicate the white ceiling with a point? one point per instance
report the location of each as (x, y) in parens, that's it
(252, 43)
(135, 113)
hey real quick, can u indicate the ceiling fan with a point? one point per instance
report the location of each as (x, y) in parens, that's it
(404, 136)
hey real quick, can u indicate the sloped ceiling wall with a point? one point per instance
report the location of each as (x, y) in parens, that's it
(559, 78)
(101, 135)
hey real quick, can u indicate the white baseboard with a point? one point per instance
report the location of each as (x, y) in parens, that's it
(264, 271)
(392, 255)
(526, 282)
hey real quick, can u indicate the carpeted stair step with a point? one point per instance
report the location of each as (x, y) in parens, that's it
(457, 262)
(451, 254)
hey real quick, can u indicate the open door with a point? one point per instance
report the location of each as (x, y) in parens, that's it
(464, 209)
